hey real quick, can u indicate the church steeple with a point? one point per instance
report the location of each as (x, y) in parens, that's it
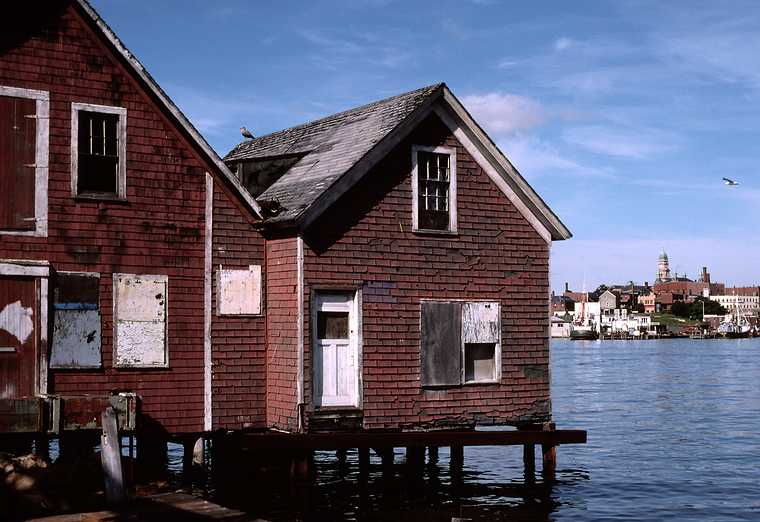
(663, 268)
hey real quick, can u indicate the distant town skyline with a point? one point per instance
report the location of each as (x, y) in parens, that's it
(624, 116)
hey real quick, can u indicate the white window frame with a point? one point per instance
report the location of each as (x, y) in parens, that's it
(121, 176)
(452, 188)
(42, 148)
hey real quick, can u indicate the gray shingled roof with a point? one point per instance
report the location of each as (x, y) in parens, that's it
(328, 148)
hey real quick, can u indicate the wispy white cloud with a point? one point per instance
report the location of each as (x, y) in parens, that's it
(340, 51)
(637, 143)
(563, 43)
(503, 113)
(534, 157)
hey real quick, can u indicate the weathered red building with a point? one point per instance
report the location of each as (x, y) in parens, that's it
(382, 268)
(113, 209)
(420, 261)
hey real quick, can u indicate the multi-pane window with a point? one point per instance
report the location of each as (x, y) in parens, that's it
(433, 178)
(435, 187)
(98, 151)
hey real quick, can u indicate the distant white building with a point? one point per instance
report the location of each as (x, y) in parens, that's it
(744, 304)
(621, 322)
(560, 327)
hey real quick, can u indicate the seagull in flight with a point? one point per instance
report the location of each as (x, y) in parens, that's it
(246, 133)
(730, 182)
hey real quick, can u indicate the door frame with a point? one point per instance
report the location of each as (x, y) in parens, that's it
(356, 310)
(39, 271)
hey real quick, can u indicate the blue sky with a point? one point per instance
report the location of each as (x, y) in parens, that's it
(623, 115)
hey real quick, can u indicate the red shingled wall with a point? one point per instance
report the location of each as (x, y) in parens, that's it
(159, 230)
(238, 343)
(282, 332)
(496, 255)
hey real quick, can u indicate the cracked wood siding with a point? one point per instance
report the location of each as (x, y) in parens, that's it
(159, 230)
(365, 241)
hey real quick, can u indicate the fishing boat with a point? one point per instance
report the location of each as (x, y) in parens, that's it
(735, 326)
(584, 328)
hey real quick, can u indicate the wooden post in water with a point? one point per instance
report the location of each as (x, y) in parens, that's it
(363, 464)
(529, 462)
(456, 462)
(110, 456)
(549, 452)
(432, 455)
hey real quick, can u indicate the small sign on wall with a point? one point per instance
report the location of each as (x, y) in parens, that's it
(239, 291)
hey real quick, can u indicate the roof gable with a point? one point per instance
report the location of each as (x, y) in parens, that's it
(168, 105)
(337, 151)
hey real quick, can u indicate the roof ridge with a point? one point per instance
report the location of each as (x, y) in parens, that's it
(243, 145)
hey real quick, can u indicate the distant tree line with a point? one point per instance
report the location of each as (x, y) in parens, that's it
(694, 310)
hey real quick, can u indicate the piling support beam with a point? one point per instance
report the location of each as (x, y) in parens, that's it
(456, 463)
(432, 455)
(549, 452)
(363, 464)
(529, 462)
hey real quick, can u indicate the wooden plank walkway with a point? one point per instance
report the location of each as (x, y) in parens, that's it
(165, 507)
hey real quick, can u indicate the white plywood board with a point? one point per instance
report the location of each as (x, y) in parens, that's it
(140, 312)
(239, 291)
(76, 339)
(480, 322)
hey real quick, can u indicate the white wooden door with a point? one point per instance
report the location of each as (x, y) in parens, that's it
(335, 350)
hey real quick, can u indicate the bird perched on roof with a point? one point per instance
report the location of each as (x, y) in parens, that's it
(246, 133)
(730, 182)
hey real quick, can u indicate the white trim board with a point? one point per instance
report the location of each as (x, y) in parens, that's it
(41, 158)
(207, 300)
(492, 173)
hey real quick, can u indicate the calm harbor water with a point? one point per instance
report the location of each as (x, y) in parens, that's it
(674, 433)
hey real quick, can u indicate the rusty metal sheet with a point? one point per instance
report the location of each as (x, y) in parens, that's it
(21, 415)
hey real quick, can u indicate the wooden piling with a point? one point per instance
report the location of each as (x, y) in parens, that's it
(529, 462)
(432, 455)
(549, 469)
(456, 463)
(363, 464)
(110, 456)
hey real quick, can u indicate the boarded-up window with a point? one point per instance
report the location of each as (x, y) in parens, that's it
(441, 343)
(76, 321)
(460, 343)
(140, 305)
(18, 143)
(239, 291)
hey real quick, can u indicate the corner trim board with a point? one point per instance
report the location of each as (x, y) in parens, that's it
(300, 333)
(207, 268)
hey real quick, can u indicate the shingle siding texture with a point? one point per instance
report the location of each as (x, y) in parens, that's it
(282, 333)
(366, 241)
(160, 230)
(238, 342)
